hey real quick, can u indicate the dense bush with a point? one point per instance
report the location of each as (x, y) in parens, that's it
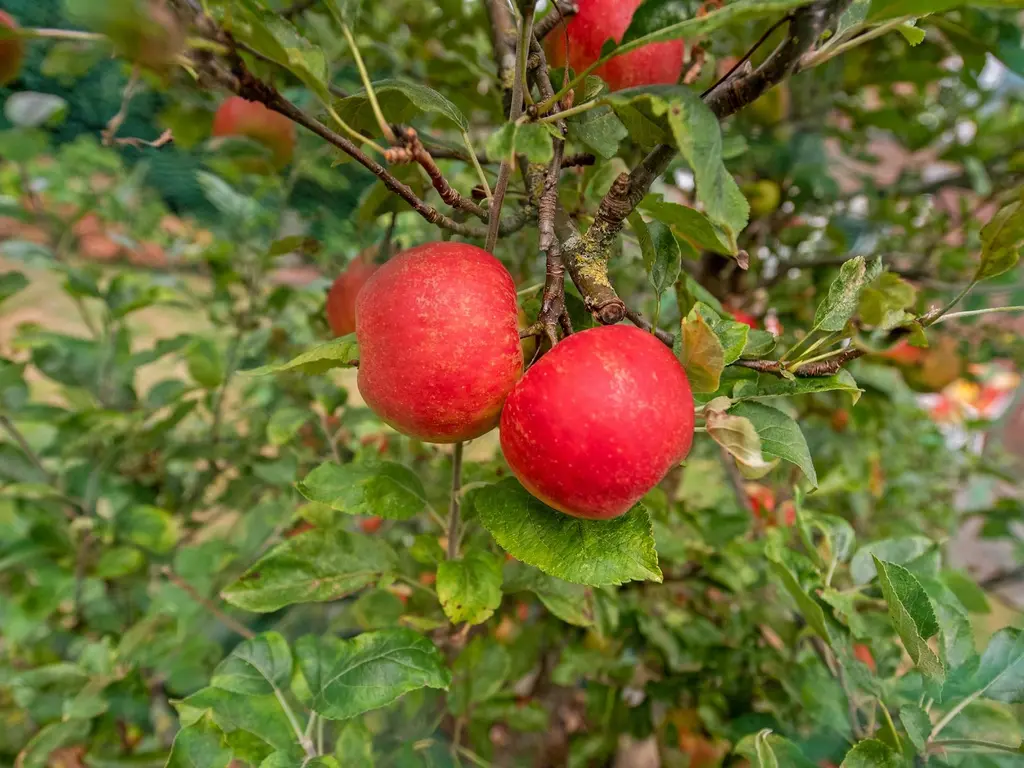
(213, 553)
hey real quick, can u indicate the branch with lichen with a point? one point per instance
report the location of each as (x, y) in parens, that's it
(587, 255)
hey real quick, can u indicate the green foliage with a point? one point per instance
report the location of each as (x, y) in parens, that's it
(213, 554)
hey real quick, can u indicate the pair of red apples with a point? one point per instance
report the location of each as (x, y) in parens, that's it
(589, 429)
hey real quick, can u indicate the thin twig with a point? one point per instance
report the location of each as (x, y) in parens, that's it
(975, 312)
(243, 83)
(560, 13)
(368, 85)
(19, 438)
(453, 504)
(413, 151)
(826, 54)
(515, 110)
(211, 607)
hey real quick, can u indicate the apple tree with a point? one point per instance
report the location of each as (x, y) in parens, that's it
(599, 445)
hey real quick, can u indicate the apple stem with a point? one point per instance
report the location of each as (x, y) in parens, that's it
(453, 506)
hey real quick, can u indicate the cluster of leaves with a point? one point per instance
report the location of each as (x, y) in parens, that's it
(209, 556)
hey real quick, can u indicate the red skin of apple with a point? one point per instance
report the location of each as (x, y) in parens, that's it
(905, 354)
(12, 51)
(596, 22)
(598, 421)
(747, 319)
(251, 120)
(371, 524)
(438, 334)
(863, 654)
(341, 298)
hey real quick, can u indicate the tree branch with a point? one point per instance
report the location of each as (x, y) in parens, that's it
(515, 109)
(588, 256)
(242, 82)
(215, 611)
(413, 151)
(562, 11)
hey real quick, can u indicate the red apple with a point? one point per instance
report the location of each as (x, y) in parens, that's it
(341, 298)
(438, 334)
(904, 354)
(762, 501)
(863, 654)
(252, 120)
(12, 51)
(743, 317)
(596, 22)
(598, 421)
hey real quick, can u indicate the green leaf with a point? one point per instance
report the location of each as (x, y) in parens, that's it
(534, 141)
(913, 35)
(688, 223)
(767, 386)
(480, 671)
(1001, 240)
(288, 759)
(956, 636)
(912, 615)
(809, 608)
(901, 550)
(205, 363)
(883, 302)
(698, 136)
(400, 100)
(731, 334)
(530, 139)
(11, 283)
(759, 344)
(349, 677)
(501, 143)
(1000, 674)
(200, 744)
(769, 750)
(49, 739)
(872, 753)
(382, 488)
(590, 552)
(28, 109)
(780, 436)
(739, 437)
(318, 566)
(255, 725)
(257, 666)
(117, 562)
(342, 352)
(844, 294)
(572, 603)
(599, 129)
(285, 423)
(701, 353)
(235, 206)
(149, 527)
(890, 9)
(658, 20)
(354, 747)
(470, 589)
(660, 252)
(967, 591)
(917, 724)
